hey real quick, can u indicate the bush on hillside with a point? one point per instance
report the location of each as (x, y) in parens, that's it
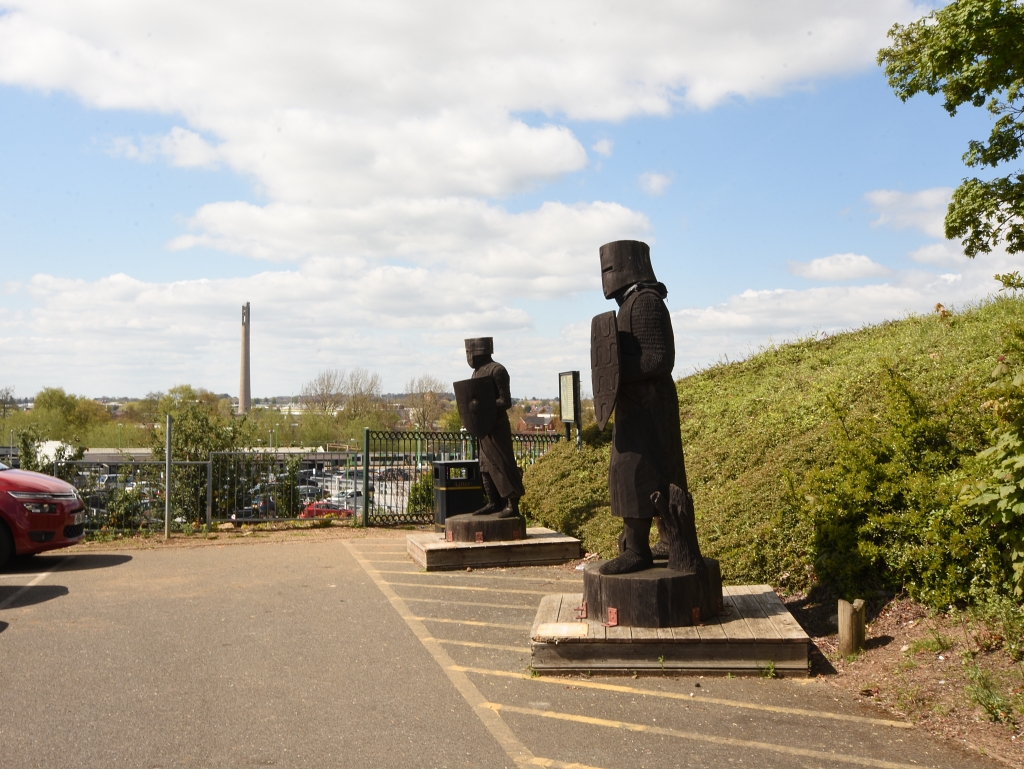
(885, 510)
(566, 488)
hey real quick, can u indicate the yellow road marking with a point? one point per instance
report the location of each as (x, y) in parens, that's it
(553, 763)
(821, 755)
(490, 718)
(471, 622)
(471, 603)
(475, 575)
(476, 645)
(688, 698)
(468, 587)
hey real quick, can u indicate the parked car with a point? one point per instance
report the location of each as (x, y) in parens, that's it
(309, 493)
(37, 513)
(264, 506)
(326, 507)
(109, 481)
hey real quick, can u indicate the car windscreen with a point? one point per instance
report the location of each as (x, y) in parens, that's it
(3, 466)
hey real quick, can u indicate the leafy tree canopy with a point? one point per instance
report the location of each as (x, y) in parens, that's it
(972, 51)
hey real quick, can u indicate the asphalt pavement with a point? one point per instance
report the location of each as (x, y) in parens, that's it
(342, 653)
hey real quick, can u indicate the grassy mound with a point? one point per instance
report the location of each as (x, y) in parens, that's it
(836, 458)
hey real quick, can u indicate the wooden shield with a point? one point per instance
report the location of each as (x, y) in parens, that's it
(477, 400)
(604, 364)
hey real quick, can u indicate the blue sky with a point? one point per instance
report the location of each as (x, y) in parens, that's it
(379, 204)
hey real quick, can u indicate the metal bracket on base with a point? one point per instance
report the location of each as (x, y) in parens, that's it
(613, 617)
(581, 611)
(479, 536)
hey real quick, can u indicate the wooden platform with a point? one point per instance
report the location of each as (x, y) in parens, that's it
(754, 633)
(541, 547)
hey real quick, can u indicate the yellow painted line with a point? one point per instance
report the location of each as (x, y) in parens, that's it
(472, 603)
(553, 763)
(471, 622)
(688, 698)
(571, 581)
(476, 645)
(490, 718)
(468, 587)
(735, 742)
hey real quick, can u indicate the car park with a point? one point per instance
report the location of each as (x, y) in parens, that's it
(37, 513)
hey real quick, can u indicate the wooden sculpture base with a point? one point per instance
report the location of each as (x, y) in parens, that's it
(655, 597)
(483, 528)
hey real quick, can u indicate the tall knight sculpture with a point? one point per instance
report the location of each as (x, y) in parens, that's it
(483, 402)
(632, 355)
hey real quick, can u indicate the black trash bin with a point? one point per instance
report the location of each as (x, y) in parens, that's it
(457, 488)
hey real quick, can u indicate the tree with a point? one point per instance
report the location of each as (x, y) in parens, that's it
(362, 394)
(972, 51)
(6, 401)
(198, 427)
(324, 394)
(425, 398)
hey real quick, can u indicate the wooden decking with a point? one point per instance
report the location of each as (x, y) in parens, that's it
(754, 634)
(542, 547)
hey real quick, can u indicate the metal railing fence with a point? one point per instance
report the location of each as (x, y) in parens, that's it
(129, 496)
(398, 483)
(390, 481)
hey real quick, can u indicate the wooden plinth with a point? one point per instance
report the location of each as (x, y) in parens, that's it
(655, 597)
(541, 547)
(754, 633)
(483, 528)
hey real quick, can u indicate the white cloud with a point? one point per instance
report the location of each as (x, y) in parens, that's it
(335, 102)
(654, 184)
(180, 147)
(381, 136)
(603, 147)
(755, 318)
(838, 267)
(924, 210)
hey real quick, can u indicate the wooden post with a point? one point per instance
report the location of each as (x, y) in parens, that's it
(851, 626)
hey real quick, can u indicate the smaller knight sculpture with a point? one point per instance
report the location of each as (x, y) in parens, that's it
(483, 402)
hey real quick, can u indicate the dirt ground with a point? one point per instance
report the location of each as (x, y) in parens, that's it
(229, 535)
(925, 667)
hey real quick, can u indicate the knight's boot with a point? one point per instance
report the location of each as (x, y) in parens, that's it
(634, 548)
(660, 551)
(494, 501)
(511, 509)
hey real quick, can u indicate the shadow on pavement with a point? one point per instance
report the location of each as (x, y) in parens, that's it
(29, 596)
(46, 562)
(3, 626)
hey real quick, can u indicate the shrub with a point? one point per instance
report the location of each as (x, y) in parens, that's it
(566, 488)
(421, 495)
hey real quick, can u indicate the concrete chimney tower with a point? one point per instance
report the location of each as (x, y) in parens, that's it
(244, 391)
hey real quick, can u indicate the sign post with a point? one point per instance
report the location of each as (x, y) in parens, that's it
(569, 403)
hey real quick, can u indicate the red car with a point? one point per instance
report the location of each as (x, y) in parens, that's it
(325, 507)
(37, 513)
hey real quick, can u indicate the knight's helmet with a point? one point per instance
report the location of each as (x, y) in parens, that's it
(483, 345)
(623, 263)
